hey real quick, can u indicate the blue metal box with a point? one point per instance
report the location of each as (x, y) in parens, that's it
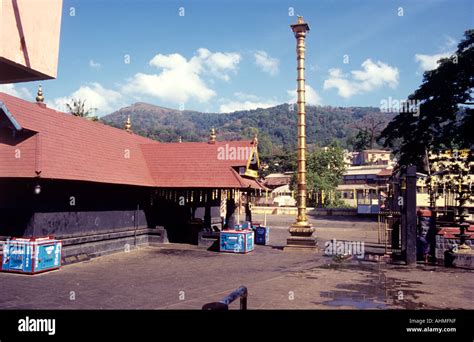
(31, 255)
(262, 235)
(237, 241)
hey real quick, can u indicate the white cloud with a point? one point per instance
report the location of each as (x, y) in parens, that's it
(266, 63)
(94, 65)
(371, 77)
(430, 62)
(21, 92)
(180, 79)
(219, 63)
(337, 80)
(95, 96)
(311, 96)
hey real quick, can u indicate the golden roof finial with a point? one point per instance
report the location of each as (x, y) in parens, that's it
(300, 19)
(39, 95)
(128, 125)
(212, 137)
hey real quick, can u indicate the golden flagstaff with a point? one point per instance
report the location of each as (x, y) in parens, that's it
(301, 232)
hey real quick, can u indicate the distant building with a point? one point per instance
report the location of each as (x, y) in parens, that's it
(364, 184)
(275, 180)
(283, 196)
(445, 190)
(372, 157)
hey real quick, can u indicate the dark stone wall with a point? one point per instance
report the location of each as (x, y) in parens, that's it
(70, 208)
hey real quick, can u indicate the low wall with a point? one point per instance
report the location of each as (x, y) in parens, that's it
(446, 240)
(310, 211)
(76, 249)
(333, 212)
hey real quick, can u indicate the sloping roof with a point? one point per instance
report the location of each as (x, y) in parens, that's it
(276, 180)
(73, 148)
(57, 145)
(198, 164)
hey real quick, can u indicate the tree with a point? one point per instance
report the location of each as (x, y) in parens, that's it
(370, 127)
(325, 169)
(443, 119)
(77, 108)
(265, 146)
(282, 160)
(361, 141)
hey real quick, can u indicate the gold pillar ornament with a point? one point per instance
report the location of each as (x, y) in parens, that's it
(128, 125)
(39, 95)
(212, 137)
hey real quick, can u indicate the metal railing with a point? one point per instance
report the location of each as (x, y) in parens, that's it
(241, 293)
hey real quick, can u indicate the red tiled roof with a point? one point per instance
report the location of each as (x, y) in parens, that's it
(73, 148)
(62, 146)
(18, 160)
(278, 181)
(199, 164)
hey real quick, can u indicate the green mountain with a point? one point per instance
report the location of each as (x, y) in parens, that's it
(277, 126)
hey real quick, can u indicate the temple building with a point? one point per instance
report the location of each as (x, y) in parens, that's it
(89, 183)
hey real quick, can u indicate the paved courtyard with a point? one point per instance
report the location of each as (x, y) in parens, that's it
(178, 276)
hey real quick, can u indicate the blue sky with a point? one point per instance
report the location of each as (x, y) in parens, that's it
(226, 55)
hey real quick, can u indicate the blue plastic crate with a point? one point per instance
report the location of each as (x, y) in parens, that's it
(262, 235)
(237, 241)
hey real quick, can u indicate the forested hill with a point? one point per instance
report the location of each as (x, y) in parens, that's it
(276, 125)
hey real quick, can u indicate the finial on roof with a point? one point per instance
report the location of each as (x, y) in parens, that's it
(212, 137)
(39, 95)
(128, 125)
(179, 139)
(300, 19)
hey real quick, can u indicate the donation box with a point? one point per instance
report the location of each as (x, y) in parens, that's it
(31, 256)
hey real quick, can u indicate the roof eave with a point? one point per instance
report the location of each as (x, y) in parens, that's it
(10, 117)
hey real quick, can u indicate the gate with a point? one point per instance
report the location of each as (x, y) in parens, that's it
(397, 220)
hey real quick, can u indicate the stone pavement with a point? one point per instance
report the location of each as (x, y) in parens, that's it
(178, 276)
